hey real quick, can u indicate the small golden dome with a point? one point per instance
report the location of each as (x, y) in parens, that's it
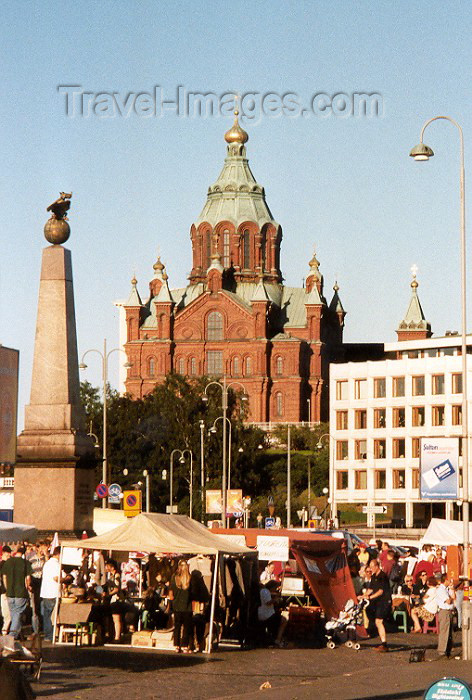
(134, 281)
(158, 264)
(236, 134)
(414, 283)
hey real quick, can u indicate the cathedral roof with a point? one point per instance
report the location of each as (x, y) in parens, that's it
(134, 299)
(236, 196)
(414, 319)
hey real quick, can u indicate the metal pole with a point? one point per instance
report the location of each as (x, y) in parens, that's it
(191, 483)
(309, 487)
(171, 476)
(223, 476)
(202, 471)
(289, 489)
(148, 492)
(212, 607)
(104, 376)
(229, 455)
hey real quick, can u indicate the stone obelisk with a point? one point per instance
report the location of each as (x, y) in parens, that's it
(54, 475)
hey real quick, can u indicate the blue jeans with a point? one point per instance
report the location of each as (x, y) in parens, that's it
(47, 607)
(17, 607)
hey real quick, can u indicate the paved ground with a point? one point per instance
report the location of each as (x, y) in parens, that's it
(294, 674)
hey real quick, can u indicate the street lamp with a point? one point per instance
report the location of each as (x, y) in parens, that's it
(148, 487)
(202, 471)
(332, 491)
(104, 355)
(424, 152)
(182, 461)
(224, 404)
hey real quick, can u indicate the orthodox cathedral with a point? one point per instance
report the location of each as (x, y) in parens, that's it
(236, 318)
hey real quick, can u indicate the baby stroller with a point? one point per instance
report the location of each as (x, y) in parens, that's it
(343, 628)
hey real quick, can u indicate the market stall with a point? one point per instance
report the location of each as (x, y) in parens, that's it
(16, 532)
(168, 535)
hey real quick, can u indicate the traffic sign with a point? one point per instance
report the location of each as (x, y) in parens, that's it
(370, 510)
(114, 493)
(269, 522)
(132, 503)
(102, 490)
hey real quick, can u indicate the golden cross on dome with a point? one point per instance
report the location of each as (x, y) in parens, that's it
(414, 270)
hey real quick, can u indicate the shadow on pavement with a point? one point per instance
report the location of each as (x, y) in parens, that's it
(395, 696)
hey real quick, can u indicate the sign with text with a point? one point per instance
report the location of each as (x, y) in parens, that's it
(272, 548)
(439, 468)
(234, 501)
(448, 688)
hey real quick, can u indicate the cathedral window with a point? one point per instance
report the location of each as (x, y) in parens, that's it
(279, 406)
(215, 326)
(152, 367)
(248, 366)
(263, 251)
(226, 256)
(193, 366)
(279, 366)
(207, 249)
(215, 363)
(181, 366)
(246, 250)
(236, 367)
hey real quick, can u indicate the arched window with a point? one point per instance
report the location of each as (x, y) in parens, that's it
(279, 406)
(152, 367)
(279, 365)
(236, 367)
(248, 366)
(215, 326)
(226, 257)
(263, 250)
(181, 366)
(207, 256)
(246, 250)
(193, 366)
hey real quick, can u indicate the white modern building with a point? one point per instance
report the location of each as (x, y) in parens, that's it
(379, 410)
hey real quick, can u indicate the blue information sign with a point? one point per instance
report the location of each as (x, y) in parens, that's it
(448, 688)
(269, 522)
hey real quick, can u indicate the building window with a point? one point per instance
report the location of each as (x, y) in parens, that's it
(398, 448)
(380, 418)
(398, 478)
(360, 479)
(380, 449)
(360, 449)
(418, 386)
(236, 367)
(379, 388)
(342, 481)
(449, 351)
(438, 384)
(279, 407)
(208, 249)
(152, 367)
(398, 386)
(457, 383)
(361, 419)
(226, 259)
(341, 420)
(248, 366)
(342, 390)
(438, 415)
(415, 448)
(215, 326)
(181, 366)
(246, 250)
(415, 478)
(279, 366)
(341, 449)
(398, 417)
(193, 366)
(215, 363)
(380, 478)
(417, 416)
(360, 389)
(457, 415)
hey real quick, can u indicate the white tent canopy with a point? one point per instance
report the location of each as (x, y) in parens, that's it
(162, 534)
(15, 532)
(445, 532)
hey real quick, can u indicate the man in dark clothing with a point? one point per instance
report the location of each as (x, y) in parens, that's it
(16, 574)
(420, 588)
(379, 597)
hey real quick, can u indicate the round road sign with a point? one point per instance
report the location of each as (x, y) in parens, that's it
(131, 500)
(102, 490)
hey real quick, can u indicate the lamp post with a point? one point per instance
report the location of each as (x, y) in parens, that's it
(289, 477)
(182, 454)
(224, 386)
(424, 152)
(331, 498)
(202, 471)
(104, 355)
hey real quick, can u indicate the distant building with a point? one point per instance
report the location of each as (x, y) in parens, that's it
(236, 317)
(379, 410)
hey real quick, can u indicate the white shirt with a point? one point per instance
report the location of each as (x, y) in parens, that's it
(49, 587)
(442, 594)
(266, 609)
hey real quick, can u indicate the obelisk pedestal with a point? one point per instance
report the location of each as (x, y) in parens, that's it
(54, 475)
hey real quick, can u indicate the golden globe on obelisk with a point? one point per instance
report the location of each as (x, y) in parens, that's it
(54, 475)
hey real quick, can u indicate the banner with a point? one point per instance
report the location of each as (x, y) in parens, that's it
(439, 468)
(8, 404)
(272, 548)
(234, 501)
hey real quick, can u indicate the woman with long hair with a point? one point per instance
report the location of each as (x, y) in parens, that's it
(179, 594)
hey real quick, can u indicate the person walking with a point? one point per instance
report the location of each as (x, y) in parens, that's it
(49, 591)
(445, 597)
(379, 597)
(16, 574)
(179, 594)
(4, 607)
(37, 557)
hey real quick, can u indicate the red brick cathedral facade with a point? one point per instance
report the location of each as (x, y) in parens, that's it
(236, 317)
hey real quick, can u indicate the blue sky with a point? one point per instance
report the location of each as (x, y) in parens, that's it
(344, 184)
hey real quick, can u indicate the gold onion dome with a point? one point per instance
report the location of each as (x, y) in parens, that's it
(236, 134)
(158, 264)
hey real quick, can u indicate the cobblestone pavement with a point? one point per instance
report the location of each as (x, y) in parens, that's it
(128, 674)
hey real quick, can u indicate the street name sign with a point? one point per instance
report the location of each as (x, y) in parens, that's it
(370, 510)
